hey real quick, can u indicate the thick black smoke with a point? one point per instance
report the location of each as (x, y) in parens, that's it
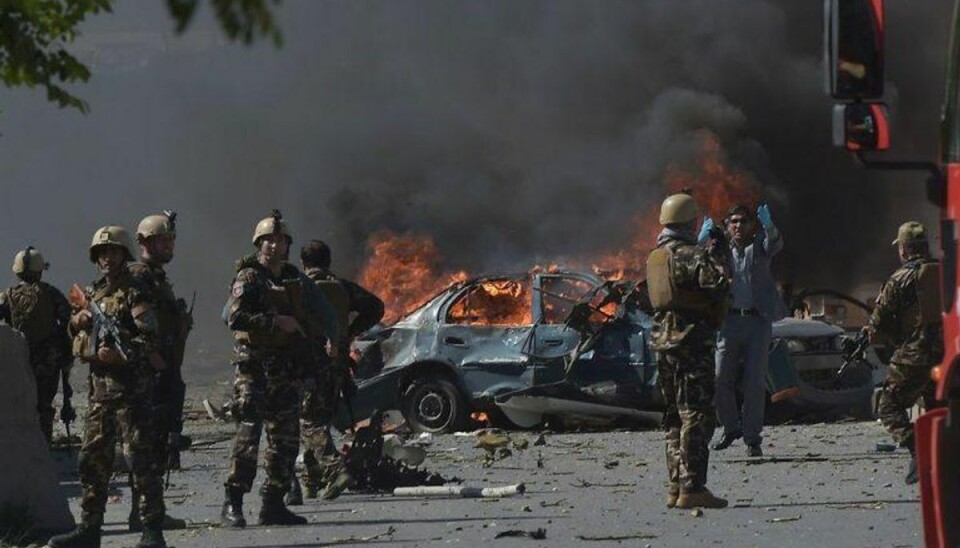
(509, 131)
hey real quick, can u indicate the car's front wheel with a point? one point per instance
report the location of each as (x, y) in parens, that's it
(432, 403)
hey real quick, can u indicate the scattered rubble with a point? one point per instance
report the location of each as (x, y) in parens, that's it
(536, 534)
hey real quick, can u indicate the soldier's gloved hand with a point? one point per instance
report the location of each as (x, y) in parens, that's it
(287, 324)
(109, 356)
(81, 321)
(705, 231)
(763, 215)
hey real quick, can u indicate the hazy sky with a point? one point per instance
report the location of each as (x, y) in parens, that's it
(509, 131)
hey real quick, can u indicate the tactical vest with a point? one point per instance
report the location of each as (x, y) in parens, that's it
(278, 301)
(928, 308)
(665, 294)
(32, 312)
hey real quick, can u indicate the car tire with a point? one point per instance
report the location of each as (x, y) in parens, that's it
(432, 403)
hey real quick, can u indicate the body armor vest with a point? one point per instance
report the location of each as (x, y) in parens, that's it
(929, 307)
(665, 294)
(32, 312)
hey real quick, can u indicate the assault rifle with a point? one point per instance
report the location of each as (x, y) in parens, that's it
(854, 350)
(105, 330)
(67, 414)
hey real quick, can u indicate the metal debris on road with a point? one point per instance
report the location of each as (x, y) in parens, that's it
(629, 536)
(536, 534)
(462, 492)
(784, 520)
(355, 539)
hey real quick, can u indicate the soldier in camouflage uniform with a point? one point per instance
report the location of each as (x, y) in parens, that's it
(122, 365)
(270, 311)
(908, 317)
(40, 312)
(156, 236)
(357, 310)
(688, 289)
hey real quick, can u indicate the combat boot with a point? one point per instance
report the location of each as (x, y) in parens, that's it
(294, 494)
(672, 497)
(152, 537)
(700, 499)
(912, 476)
(273, 512)
(337, 486)
(84, 536)
(232, 513)
(170, 523)
(311, 490)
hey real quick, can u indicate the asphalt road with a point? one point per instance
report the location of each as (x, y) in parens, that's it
(818, 485)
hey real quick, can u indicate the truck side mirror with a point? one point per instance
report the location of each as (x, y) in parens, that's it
(853, 48)
(861, 126)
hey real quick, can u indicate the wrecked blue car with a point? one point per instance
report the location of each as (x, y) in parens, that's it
(565, 347)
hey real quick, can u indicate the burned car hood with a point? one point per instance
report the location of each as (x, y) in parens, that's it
(797, 328)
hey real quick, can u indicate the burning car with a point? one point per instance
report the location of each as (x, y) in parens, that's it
(564, 345)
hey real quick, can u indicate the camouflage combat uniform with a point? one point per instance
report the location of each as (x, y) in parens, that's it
(267, 373)
(899, 320)
(325, 383)
(119, 400)
(684, 336)
(173, 325)
(41, 313)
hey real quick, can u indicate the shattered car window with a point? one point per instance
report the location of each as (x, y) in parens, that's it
(559, 295)
(493, 302)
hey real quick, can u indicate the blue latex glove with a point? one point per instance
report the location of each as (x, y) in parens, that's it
(763, 215)
(705, 231)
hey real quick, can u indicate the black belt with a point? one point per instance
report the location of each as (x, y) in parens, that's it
(743, 312)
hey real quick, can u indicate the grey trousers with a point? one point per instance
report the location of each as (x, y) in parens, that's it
(743, 350)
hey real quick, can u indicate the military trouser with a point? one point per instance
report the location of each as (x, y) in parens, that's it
(169, 397)
(321, 460)
(905, 385)
(686, 377)
(47, 386)
(133, 420)
(265, 398)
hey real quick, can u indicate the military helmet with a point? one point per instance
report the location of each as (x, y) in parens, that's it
(678, 209)
(28, 260)
(274, 224)
(111, 235)
(910, 232)
(158, 225)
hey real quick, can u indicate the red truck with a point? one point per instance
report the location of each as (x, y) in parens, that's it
(853, 40)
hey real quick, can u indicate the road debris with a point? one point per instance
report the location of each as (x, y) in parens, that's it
(885, 447)
(355, 539)
(536, 534)
(617, 538)
(785, 519)
(697, 512)
(460, 491)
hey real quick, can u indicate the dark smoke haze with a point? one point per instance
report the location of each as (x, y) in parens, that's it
(509, 131)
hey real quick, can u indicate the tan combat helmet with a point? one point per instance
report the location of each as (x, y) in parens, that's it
(111, 235)
(274, 224)
(910, 232)
(28, 260)
(678, 209)
(158, 225)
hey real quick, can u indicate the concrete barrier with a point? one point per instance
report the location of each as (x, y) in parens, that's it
(28, 477)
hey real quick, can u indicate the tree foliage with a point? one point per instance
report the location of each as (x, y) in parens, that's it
(34, 35)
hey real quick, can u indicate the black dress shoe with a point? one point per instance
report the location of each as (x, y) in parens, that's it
(727, 439)
(754, 450)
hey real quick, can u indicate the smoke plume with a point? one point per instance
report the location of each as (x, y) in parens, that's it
(510, 132)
